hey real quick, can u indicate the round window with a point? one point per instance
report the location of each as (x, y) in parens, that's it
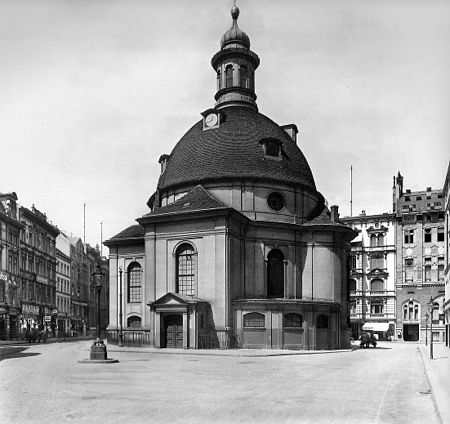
(275, 201)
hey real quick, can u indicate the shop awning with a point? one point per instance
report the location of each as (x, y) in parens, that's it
(376, 326)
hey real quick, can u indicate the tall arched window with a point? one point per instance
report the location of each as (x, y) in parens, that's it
(134, 283)
(377, 285)
(229, 76)
(275, 274)
(219, 82)
(411, 311)
(352, 285)
(244, 77)
(186, 269)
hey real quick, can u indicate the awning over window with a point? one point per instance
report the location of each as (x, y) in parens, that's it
(376, 326)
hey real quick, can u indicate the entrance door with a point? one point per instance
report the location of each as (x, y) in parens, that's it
(173, 326)
(411, 332)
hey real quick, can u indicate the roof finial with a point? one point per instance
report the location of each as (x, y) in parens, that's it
(234, 11)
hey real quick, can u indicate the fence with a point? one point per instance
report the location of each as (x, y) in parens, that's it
(130, 338)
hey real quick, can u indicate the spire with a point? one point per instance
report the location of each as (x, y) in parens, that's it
(235, 65)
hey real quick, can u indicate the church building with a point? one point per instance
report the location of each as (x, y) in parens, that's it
(238, 249)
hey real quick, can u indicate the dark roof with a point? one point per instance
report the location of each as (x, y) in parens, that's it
(196, 199)
(324, 218)
(234, 151)
(132, 232)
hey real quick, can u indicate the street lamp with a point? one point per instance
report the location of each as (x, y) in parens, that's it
(120, 308)
(426, 328)
(430, 309)
(98, 348)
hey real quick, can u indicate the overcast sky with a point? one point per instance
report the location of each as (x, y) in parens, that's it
(93, 92)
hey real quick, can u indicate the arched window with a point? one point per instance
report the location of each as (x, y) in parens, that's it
(292, 321)
(219, 81)
(229, 76)
(377, 285)
(186, 269)
(380, 239)
(134, 322)
(244, 77)
(322, 321)
(373, 240)
(275, 274)
(254, 319)
(134, 282)
(411, 311)
(352, 285)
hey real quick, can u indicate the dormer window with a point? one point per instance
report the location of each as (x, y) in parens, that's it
(272, 148)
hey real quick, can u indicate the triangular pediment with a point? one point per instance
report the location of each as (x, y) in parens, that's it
(174, 299)
(170, 299)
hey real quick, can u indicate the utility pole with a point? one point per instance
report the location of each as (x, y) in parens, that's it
(84, 224)
(101, 239)
(351, 190)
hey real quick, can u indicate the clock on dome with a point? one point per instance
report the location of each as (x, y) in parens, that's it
(211, 119)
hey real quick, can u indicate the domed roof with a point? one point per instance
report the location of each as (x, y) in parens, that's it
(235, 35)
(234, 151)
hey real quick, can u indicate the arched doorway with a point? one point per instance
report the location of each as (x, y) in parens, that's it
(173, 331)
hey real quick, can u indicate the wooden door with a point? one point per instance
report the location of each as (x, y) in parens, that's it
(174, 331)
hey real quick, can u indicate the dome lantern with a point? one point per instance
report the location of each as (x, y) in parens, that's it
(235, 66)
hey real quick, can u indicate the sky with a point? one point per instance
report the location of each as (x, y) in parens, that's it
(92, 92)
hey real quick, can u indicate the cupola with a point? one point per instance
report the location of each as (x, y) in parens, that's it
(235, 66)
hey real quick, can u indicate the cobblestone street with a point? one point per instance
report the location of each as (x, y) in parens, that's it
(383, 385)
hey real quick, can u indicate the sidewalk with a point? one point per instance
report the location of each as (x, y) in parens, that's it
(220, 352)
(49, 340)
(438, 373)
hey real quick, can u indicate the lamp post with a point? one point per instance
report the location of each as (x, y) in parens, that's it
(431, 308)
(98, 348)
(426, 328)
(120, 308)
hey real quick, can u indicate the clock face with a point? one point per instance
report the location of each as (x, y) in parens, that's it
(211, 120)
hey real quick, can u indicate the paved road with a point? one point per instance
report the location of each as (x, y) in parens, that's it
(383, 385)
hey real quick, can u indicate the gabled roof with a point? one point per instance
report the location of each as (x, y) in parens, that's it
(196, 199)
(130, 234)
(324, 219)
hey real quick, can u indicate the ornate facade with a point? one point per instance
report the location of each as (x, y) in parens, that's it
(238, 248)
(421, 259)
(372, 275)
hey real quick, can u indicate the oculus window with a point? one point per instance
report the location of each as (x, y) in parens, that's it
(276, 201)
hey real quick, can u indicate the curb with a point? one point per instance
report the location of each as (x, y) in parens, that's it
(433, 395)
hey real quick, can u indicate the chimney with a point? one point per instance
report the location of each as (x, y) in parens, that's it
(334, 213)
(363, 213)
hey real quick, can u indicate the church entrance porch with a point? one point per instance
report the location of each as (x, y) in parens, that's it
(179, 321)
